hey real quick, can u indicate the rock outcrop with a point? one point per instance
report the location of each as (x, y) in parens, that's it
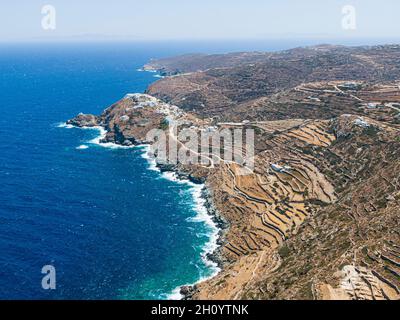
(85, 120)
(128, 121)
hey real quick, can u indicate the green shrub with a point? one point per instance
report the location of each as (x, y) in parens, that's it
(284, 251)
(164, 124)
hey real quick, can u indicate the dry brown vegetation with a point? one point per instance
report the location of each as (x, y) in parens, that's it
(319, 218)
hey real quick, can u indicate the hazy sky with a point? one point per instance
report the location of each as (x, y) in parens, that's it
(200, 19)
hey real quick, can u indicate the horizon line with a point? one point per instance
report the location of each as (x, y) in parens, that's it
(71, 39)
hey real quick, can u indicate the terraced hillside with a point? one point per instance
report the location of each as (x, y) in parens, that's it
(324, 100)
(310, 219)
(319, 216)
(349, 249)
(278, 191)
(222, 90)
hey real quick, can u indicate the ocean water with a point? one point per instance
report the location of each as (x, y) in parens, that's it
(111, 225)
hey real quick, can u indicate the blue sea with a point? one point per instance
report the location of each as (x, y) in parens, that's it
(112, 226)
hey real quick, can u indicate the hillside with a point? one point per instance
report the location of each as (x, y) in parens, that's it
(221, 90)
(295, 234)
(319, 217)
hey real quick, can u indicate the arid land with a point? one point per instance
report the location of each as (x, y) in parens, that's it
(319, 217)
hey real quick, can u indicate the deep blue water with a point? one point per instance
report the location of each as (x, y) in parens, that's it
(112, 228)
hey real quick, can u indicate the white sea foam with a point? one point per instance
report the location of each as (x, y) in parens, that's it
(151, 161)
(146, 70)
(101, 136)
(202, 217)
(82, 147)
(64, 125)
(175, 294)
(199, 205)
(96, 140)
(158, 76)
(211, 246)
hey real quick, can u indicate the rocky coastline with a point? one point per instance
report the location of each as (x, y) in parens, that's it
(216, 257)
(119, 134)
(188, 291)
(300, 225)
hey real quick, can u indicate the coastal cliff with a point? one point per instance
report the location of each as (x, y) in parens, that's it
(127, 121)
(318, 217)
